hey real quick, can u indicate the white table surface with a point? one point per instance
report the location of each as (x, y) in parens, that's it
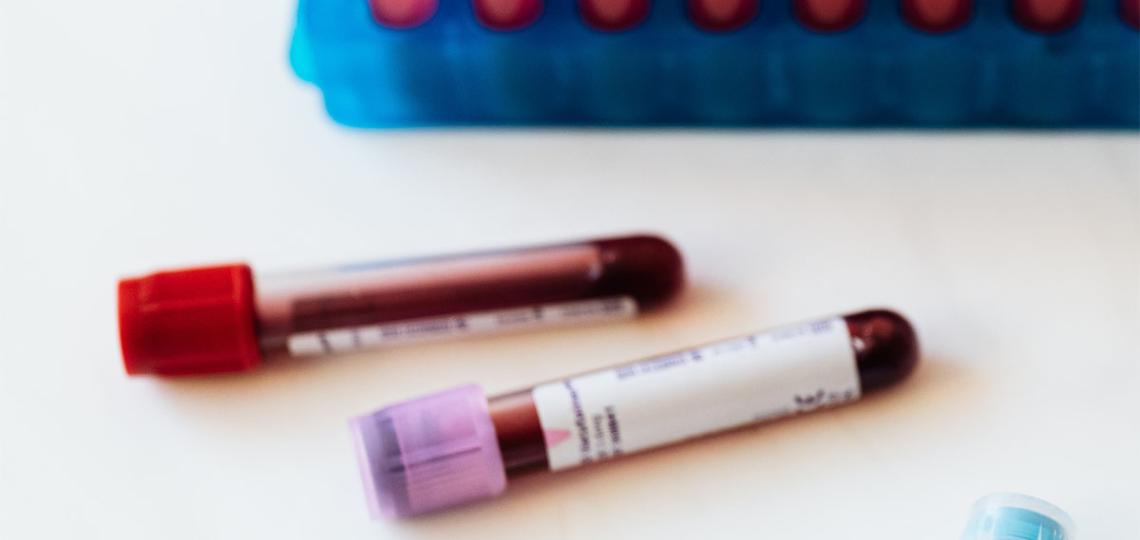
(137, 135)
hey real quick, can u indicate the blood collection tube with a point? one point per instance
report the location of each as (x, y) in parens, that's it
(722, 15)
(403, 14)
(937, 16)
(226, 318)
(1012, 516)
(829, 15)
(457, 446)
(1047, 16)
(1130, 12)
(507, 15)
(613, 15)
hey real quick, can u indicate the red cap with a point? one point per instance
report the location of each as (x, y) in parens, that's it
(189, 322)
(829, 15)
(403, 14)
(937, 15)
(1130, 11)
(722, 15)
(613, 15)
(507, 15)
(1047, 16)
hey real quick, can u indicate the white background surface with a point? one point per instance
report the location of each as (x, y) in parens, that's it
(135, 135)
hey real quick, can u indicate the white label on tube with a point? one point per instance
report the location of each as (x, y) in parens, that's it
(467, 324)
(670, 398)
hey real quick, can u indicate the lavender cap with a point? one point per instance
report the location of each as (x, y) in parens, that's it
(429, 453)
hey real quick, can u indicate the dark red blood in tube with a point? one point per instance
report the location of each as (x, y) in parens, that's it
(829, 15)
(402, 14)
(722, 15)
(613, 15)
(937, 15)
(886, 352)
(1130, 12)
(507, 15)
(1047, 16)
(645, 268)
(886, 347)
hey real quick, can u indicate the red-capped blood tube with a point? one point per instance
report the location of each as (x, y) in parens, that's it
(613, 15)
(829, 15)
(402, 14)
(937, 15)
(1047, 16)
(457, 446)
(506, 15)
(1130, 12)
(226, 318)
(722, 15)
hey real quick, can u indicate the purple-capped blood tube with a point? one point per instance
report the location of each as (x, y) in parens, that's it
(457, 446)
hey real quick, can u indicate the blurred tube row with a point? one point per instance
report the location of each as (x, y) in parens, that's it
(941, 63)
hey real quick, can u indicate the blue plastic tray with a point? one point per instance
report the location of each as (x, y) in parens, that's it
(773, 71)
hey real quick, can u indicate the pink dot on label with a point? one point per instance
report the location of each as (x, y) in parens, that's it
(937, 15)
(722, 15)
(403, 13)
(507, 14)
(613, 15)
(830, 15)
(1047, 16)
(1130, 12)
(555, 436)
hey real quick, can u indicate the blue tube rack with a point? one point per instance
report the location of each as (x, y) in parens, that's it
(452, 71)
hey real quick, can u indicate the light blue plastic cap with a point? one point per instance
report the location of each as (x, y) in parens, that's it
(1009, 516)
